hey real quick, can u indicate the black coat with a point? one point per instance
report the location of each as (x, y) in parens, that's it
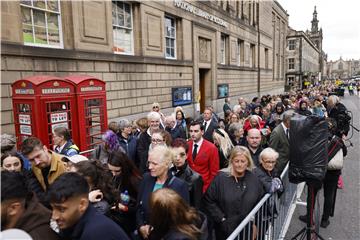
(232, 200)
(142, 151)
(208, 134)
(265, 177)
(126, 219)
(177, 132)
(194, 181)
(145, 190)
(255, 156)
(339, 114)
(94, 226)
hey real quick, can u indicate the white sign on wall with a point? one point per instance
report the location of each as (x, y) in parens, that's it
(25, 129)
(24, 119)
(58, 117)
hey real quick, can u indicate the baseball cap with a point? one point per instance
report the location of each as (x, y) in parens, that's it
(75, 158)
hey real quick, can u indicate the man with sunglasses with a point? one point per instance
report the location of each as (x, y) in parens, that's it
(46, 166)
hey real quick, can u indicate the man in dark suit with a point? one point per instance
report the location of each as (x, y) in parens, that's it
(209, 124)
(279, 140)
(203, 156)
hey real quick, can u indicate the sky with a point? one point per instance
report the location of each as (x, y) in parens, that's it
(339, 20)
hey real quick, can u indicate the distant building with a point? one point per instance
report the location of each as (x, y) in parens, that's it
(147, 51)
(306, 62)
(343, 69)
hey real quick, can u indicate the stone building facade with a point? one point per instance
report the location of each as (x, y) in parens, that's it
(302, 60)
(343, 69)
(146, 50)
(304, 56)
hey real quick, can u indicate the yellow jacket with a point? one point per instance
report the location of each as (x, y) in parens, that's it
(57, 168)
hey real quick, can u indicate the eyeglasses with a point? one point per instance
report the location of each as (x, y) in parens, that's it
(155, 107)
(270, 162)
(153, 140)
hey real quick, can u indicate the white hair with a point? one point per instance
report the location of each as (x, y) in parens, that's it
(268, 152)
(163, 153)
(153, 116)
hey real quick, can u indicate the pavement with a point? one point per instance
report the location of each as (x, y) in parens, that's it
(345, 225)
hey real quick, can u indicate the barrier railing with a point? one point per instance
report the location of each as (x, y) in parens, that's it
(270, 218)
(87, 151)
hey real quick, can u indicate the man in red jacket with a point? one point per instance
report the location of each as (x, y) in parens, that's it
(202, 156)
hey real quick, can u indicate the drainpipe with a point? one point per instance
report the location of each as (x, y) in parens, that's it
(300, 66)
(258, 32)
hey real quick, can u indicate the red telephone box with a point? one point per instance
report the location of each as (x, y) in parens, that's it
(91, 109)
(41, 104)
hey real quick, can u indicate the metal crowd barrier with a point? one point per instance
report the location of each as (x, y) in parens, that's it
(270, 218)
(87, 151)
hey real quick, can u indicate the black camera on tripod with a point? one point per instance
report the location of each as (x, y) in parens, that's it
(308, 149)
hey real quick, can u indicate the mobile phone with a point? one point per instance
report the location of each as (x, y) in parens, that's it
(264, 131)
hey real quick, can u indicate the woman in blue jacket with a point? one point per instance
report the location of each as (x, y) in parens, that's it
(159, 161)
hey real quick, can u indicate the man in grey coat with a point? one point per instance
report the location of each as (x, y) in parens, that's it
(279, 140)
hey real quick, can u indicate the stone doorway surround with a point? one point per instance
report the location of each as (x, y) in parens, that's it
(205, 59)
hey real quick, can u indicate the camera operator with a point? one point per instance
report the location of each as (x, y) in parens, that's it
(338, 112)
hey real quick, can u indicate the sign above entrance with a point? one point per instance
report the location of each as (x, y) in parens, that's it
(201, 13)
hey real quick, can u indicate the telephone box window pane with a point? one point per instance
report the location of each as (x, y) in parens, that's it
(58, 106)
(24, 108)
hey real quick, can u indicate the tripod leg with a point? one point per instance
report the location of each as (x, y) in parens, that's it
(302, 231)
(309, 210)
(333, 205)
(318, 235)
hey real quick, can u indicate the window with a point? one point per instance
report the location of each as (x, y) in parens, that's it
(41, 23)
(122, 27)
(222, 49)
(252, 52)
(292, 44)
(341, 66)
(266, 58)
(170, 37)
(291, 63)
(291, 81)
(240, 52)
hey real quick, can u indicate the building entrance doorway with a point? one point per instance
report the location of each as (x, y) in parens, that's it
(204, 87)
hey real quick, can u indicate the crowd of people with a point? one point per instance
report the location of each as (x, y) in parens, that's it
(163, 177)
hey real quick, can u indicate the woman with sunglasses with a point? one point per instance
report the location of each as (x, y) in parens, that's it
(156, 108)
(182, 170)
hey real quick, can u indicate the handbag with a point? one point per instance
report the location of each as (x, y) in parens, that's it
(337, 162)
